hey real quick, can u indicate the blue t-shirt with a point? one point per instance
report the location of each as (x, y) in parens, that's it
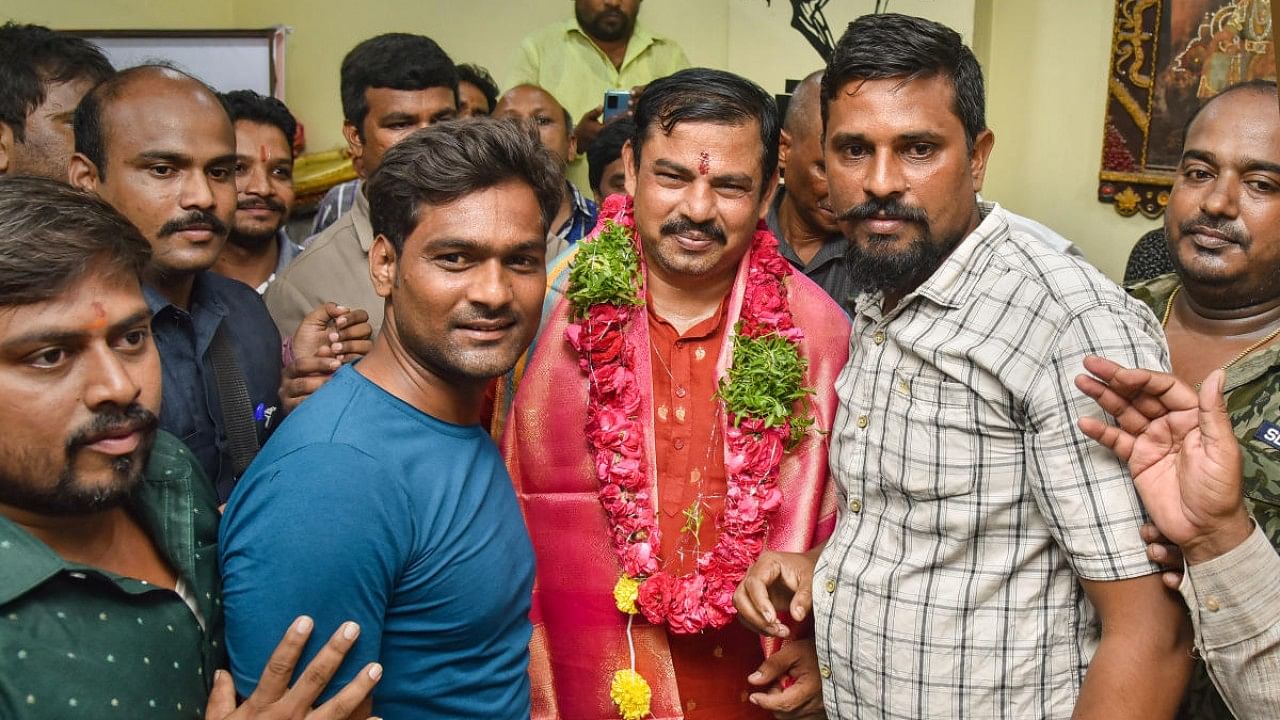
(363, 508)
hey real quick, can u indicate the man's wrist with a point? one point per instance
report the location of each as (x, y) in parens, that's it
(1219, 541)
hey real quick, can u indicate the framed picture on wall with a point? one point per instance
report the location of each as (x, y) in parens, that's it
(225, 59)
(1167, 58)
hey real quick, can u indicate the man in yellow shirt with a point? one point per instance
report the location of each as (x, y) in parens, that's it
(601, 48)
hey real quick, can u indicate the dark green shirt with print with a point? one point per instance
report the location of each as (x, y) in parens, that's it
(1253, 401)
(80, 642)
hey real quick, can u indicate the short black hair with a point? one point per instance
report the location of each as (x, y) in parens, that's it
(51, 235)
(399, 61)
(478, 76)
(91, 137)
(250, 106)
(894, 46)
(607, 147)
(437, 165)
(33, 57)
(706, 95)
(1259, 85)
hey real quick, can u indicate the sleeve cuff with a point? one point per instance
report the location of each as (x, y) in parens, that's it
(1234, 597)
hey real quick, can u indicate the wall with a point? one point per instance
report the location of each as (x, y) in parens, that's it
(487, 33)
(763, 47)
(120, 14)
(1045, 61)
(1046, 64)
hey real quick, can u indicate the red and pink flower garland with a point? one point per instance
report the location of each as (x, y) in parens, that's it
(754, 446)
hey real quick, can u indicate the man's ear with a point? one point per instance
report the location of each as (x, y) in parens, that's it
(978, 158)
(770, 189)
(573, 147)
(629, 166)
(355, 145)
(7, 141)
(784, 150)
(382, 266)
(82, 173)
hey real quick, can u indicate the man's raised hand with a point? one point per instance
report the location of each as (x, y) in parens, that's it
(1181, 450)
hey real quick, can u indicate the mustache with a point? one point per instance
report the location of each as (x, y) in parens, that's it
(1227, 228)
(256, 203)
(888, 209)
(480, 314)
(194, 220)
(684, 226)
(131, 418)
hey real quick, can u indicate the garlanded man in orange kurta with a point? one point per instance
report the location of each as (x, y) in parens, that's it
(669, 424)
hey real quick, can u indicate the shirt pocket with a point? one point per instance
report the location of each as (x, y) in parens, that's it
(931, 438)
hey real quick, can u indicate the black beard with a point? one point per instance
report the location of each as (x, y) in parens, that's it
(595, 29)
(900, 272)
(67, 496)
(251, 242)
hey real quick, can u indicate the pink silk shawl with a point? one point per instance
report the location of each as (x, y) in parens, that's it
(579, 636)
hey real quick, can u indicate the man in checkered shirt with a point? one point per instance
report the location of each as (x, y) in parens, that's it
(987, 560)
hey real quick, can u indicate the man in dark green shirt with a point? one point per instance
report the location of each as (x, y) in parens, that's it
(109, 599)
(110, 603)
(76, 637)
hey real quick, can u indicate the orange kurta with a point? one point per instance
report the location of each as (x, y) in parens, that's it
(711, 667)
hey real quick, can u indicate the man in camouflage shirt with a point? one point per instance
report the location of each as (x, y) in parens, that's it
(1221, 308)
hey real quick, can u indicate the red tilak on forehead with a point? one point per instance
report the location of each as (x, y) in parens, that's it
(264, 153)
(704, 163)
(99, 316)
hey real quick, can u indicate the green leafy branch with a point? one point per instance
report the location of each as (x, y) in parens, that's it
(605, 270)
(766, 381)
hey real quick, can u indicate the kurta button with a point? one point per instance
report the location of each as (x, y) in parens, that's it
(878, 338)
(831, 585)
(855, 505)
(679, 443)
(863, 421)
(825, 671)
(1212, 604)
(680, 391)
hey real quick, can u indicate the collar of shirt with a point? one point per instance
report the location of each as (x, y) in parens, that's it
(639, 41)
(581, 217)
(288, 250)
(955, 279)
(831, 251)
(207, 309)
(166, 502)
(360, 220)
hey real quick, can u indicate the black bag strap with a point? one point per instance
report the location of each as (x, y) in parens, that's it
(237, 408)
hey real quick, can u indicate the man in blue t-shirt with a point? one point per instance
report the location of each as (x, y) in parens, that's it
(382, 499)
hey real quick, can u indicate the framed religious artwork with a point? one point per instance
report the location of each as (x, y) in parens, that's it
(1167, 58)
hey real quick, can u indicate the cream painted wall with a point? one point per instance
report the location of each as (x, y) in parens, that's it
(485, 32)
(1046, 68)
(763, 47)
(120, 14)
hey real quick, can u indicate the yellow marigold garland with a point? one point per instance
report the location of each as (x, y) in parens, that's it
(630, 693)
(625, 593)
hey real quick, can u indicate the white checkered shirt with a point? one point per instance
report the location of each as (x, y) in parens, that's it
(970, 502)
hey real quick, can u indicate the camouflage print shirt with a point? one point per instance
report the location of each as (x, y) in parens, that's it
(1253, 401)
